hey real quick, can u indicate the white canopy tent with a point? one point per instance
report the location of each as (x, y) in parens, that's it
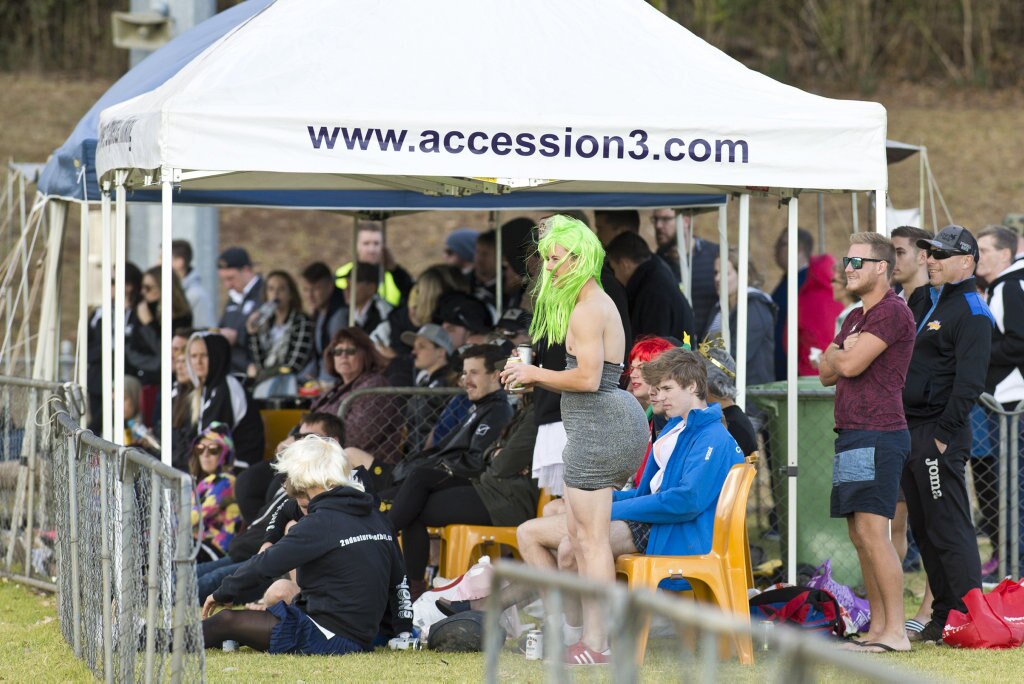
(459, 97)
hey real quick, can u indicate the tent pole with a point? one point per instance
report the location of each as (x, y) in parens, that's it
(120, 248)
(742, 283)
(920, 190)
(83, 296)
(351, 287)
(792, 271)
(821, 223)
(383, 248)
(723, 283)
(684, 266)
(166, 308)
(881, 220)
(854, 212)
(107, 320)
(499, 282)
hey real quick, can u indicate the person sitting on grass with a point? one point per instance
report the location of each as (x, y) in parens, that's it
(346, 561)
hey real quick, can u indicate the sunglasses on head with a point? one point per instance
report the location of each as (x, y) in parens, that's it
(344, 351)
(858, 262)
(941, 254)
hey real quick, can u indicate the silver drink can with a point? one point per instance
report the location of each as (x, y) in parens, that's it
(534, 644)
(229, 645)
(525, 353)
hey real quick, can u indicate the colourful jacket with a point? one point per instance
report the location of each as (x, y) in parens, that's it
(214, 503)
(682, 512)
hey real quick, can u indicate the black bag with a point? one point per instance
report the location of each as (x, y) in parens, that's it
(813, 610)
(460, 633)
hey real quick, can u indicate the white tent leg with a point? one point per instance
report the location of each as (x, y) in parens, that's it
(881, 220)
(854, 212)
(120, 245)
(351, 287)
(723, 286)
(684, 254)
(44, 367)
(83, 297)
(742, 283)
(792, 271)
(166, 309)
(107, 320)
(499, 282)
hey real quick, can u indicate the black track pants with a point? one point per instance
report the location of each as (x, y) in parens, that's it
(940, 516)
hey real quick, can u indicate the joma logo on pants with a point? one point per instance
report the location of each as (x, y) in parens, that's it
(933, 477)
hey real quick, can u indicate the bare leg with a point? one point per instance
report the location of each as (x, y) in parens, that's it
(538, 539)
(879, 562)
(899, 530)
(588, 523)
(924, 613)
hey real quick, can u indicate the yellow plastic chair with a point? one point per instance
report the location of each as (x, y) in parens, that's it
(723, 576)
(459, 542)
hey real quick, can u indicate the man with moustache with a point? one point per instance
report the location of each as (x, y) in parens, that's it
(867, 363)
(946, 376)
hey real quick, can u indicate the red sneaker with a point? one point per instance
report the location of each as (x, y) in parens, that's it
(581, 654)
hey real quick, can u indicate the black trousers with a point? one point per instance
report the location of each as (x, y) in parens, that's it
(432, 498)
(940, 516)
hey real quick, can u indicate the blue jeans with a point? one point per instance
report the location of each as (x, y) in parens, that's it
(212, 573)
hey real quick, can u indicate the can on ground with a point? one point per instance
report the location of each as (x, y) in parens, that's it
(534, 644)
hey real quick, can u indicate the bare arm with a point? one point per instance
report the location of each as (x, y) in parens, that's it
(854, 358)
(826, 373)
(586, 325)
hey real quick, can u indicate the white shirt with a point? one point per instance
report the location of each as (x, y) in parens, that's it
(663, 449)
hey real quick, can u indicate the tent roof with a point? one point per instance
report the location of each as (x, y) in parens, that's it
(283, 96)
(898, 151)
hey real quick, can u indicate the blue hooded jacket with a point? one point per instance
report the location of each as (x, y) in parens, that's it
(682, 512)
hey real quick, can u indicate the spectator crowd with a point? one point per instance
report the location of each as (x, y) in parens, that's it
(302, 525)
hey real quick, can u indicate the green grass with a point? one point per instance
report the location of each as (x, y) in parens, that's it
(32, 649)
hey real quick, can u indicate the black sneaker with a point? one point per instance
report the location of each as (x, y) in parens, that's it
(931, 634)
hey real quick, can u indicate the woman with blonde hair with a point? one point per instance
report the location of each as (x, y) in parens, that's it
(346, 559)
(435, 282)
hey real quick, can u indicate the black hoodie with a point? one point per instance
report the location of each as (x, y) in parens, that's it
(1005, 378)
(348, 565)
(951, 354)
(225, 400)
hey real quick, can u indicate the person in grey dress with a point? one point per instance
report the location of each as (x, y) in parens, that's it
(606, 427)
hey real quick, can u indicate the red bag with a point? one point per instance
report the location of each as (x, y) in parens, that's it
(994, 620)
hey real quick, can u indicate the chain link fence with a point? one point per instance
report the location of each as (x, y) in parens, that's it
(108, 528)
(995, 481)
(395, 422)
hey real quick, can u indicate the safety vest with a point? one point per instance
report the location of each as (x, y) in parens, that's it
(388, 290)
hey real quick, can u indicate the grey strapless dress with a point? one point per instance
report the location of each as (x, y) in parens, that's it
(607, 432)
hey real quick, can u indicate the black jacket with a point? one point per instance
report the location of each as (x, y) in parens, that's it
(1006, 300)
(462, 451)
(348, 565)
(951, 356)
(702, 282)
(656, 306)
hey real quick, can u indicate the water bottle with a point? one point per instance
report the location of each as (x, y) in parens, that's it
(266, 311)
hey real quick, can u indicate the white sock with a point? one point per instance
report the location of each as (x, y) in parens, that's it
(571, 634)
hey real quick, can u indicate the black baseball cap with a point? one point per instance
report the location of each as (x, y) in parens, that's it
(514, 320)
(233, 257)
(458, 308)
(955, 239)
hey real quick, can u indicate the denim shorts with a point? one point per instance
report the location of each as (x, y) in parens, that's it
(866, 471)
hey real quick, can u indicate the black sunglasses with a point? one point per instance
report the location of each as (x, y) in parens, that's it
(942, 254)
(858, 262)
(344, 351)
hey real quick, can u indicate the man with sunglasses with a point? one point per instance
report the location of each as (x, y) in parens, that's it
(946, 376)
(867, 363)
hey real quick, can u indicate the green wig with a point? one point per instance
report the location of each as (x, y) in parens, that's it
(556, 302)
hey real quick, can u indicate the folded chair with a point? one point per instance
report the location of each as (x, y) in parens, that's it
(722, 576)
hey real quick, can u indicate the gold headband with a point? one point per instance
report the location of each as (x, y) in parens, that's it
(705, 347)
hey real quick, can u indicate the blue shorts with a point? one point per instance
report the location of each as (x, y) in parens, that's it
(296, 633)
(867, 470)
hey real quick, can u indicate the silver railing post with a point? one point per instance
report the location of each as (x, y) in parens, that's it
(1015, 492)
(74, 444)
(152, 575)
(1001, 544)
(105, 599)
(182, 561)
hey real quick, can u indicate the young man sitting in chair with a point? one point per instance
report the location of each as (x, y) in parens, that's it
(672, 511)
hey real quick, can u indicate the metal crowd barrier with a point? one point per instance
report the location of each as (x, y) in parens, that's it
(110, 529)
(1006, 438)
(796, 657)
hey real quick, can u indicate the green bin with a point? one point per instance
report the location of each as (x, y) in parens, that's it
(819, 537)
